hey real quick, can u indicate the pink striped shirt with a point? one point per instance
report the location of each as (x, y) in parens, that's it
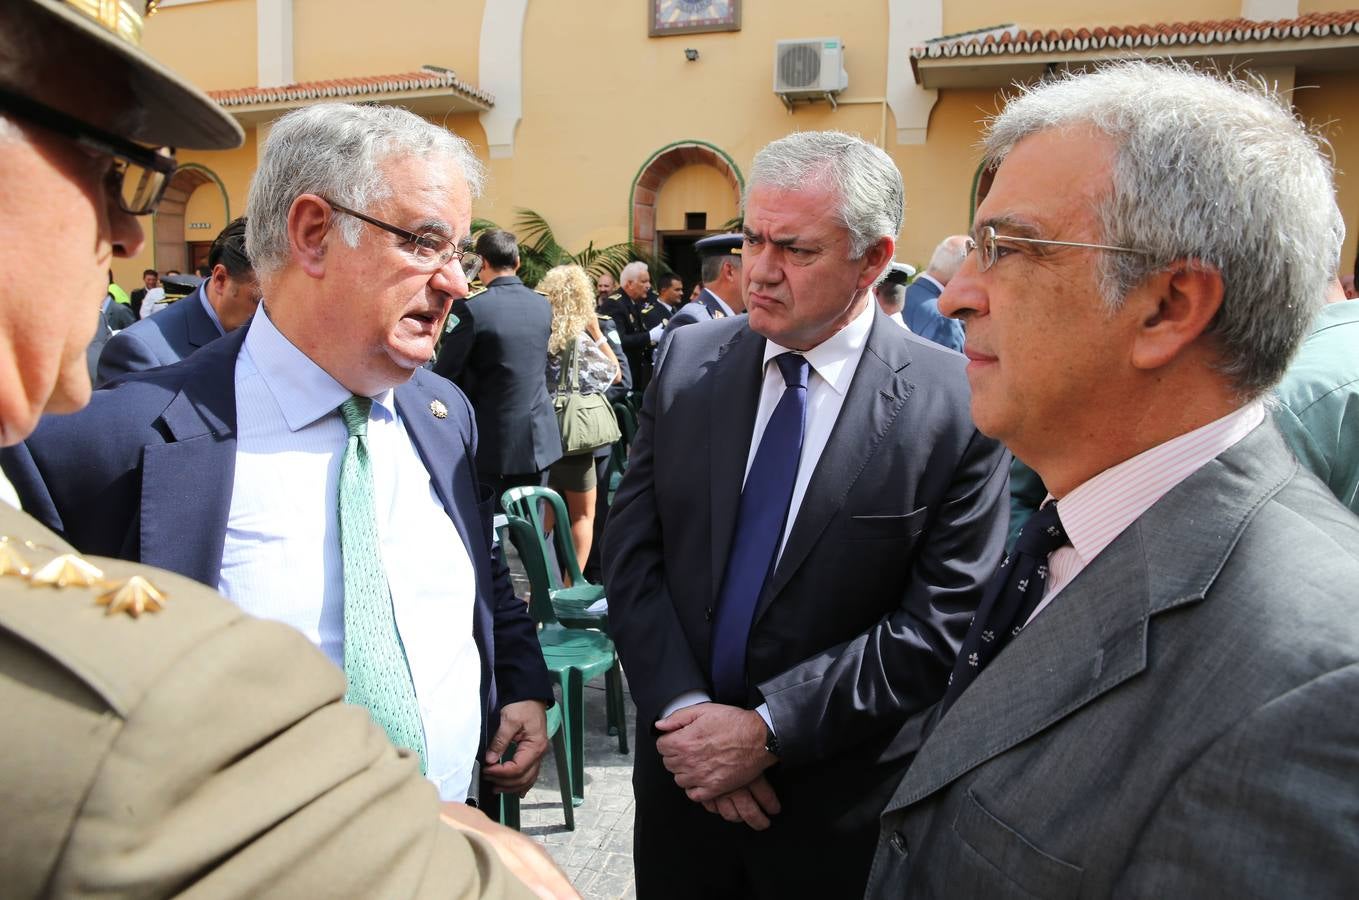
(1098, 511)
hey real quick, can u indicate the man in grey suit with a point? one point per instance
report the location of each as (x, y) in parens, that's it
(222, 303)
(497, 353)
(790, 568)
(1171, 710)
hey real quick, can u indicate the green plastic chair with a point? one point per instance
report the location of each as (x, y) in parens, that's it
(571, 604)
(618, 456)
(573, 655)
(509, 803)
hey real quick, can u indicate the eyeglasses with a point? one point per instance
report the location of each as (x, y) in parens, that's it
(139, 175)
(429, 249)
(987, 246)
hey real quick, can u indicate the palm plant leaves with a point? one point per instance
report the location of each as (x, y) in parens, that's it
(540, 251)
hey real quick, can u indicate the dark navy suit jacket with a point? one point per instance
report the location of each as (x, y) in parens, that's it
(165, 338)
(145, 473)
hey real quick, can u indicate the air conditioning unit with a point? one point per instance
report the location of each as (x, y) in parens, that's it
(809, 69)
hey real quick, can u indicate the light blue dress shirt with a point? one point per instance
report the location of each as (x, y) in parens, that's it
(281, 557)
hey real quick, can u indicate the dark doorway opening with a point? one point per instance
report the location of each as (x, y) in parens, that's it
(678, 248)
(198, 254)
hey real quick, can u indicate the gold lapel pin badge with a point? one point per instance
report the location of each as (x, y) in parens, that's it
(437, 407)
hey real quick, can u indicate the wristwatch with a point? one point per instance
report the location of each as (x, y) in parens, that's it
(771, 741)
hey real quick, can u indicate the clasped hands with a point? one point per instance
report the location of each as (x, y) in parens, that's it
(717, 755)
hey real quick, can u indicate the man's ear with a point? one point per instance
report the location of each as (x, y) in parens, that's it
(308, 226)
(1173, 310)
(876, 258)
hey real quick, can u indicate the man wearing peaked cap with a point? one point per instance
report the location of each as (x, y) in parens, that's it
(720, 256)
(890, 292)
(168, 741)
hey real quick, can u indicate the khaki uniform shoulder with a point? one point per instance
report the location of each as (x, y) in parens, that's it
(79, 612)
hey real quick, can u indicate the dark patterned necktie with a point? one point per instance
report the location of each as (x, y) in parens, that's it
(1011, 596)
(760, 518)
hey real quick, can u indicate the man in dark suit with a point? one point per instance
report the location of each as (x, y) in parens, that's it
(221, 304)
(628, 309)
(244, 468)
(497, 353)
(150, 279)
(792, 560)
(1167, 709)
(922, 296)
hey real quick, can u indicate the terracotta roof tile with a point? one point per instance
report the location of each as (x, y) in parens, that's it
(350, 89)
(1159, 34)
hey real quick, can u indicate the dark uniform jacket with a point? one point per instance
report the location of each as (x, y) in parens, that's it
(496, 353)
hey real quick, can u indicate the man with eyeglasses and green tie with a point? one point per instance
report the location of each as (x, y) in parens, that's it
(157, 739)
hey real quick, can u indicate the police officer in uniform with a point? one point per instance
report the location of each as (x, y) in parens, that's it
(627, 308)
(158, 739)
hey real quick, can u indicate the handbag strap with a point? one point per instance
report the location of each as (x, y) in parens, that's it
(571, 360)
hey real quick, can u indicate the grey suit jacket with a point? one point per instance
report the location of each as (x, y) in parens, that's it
(165, 338)
(1180, 722)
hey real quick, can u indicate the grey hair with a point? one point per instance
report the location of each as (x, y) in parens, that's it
(894, 294)
(948, 257)
(872, 201)
(1214, 170)
(711, 267)
(336, 150)
(631, 272)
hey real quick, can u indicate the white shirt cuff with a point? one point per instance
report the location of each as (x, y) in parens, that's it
(688, 698)
(763, 710)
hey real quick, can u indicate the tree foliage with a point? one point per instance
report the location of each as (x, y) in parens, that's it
(540, 251)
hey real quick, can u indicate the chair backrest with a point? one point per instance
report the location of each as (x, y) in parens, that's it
(627, 422)
(526, 541)
(524, 503)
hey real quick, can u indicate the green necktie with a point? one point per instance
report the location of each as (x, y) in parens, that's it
(374, 659)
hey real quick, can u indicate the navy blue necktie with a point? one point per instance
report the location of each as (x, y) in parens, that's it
(760, 518)
(1011, 596)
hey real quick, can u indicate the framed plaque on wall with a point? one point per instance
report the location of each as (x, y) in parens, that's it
(690, 16)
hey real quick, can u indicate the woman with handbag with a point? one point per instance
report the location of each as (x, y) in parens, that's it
(580, 367)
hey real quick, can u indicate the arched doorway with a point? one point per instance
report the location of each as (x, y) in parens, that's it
(171, 249)
(654, 173)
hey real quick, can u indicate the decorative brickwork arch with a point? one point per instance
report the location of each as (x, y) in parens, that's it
(668, 160)
(170, 251)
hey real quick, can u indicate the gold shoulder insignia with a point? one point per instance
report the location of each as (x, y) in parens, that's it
(134, 597)
(474, 293)
(648, 308)
(616, 295)
(603, 318)
(68, 570)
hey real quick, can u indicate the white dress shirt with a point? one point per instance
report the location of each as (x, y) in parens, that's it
(833, 364)
(281, 557)
(1102, 507)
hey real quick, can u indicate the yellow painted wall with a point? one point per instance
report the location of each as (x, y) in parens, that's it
(211, 43)
(1327, 101)
(1317, 6)
(695, 188)
(601, 97)
(344, 38)
(206, 206)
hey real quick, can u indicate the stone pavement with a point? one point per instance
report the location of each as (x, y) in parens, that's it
(597, 856)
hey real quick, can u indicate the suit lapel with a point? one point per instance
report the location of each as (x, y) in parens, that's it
(433, 440)
(733, 388)
(875, 398)
(1093, 636)
(187, 481)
